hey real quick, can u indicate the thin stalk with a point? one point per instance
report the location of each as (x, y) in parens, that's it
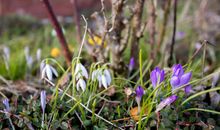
(174, 34)
(66, 52)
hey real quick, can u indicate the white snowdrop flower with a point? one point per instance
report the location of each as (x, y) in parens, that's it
(104, 82)
(80, 71)
(48, 71)
(108, 76)
(38, 54)
(6, 51)
(102, 76)
(81, 84)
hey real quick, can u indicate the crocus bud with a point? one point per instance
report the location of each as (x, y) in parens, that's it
(139, 93)
(43, 100)
(131, 64)
(166, 102)
(157, 76)
(6, 104)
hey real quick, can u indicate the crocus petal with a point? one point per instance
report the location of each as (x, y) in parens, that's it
(153, 78)
(188, 89)
(48, 72)
(162, 76)
(104, 82)
(6, 104)
(178, 70)
(166, 102)
(139, 91)
(185, 78)
(175, 81)
(131, 64)
(43, 100)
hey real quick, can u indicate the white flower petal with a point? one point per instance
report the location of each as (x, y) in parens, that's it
(108, 76)
(104, 82)
(42, 66)
(77, 69)
(54, 71)
(82, 84)
(43, 73)
(77, 86)
(84, 71)
(48, 72)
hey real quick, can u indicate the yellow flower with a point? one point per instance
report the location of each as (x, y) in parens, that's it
(96, 41)
(55, 52)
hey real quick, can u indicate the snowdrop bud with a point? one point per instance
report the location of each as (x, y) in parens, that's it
(43, 100)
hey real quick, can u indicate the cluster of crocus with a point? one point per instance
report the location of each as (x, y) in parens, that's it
(80, 74)
(102, 76)
(157, 76)
(179, 78)
(47, 71)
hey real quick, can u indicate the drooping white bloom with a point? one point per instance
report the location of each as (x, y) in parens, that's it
(47, 71)
(102, 76)
(81, 84)
(38, 54)
(80, 71)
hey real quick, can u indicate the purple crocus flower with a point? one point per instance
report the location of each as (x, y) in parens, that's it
(179, 78)
(6, 104)
(139, 93)
(131, 64)
(157, 76)
(43, 100)
(166, 102)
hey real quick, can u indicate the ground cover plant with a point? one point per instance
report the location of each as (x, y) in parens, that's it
(140, 65)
